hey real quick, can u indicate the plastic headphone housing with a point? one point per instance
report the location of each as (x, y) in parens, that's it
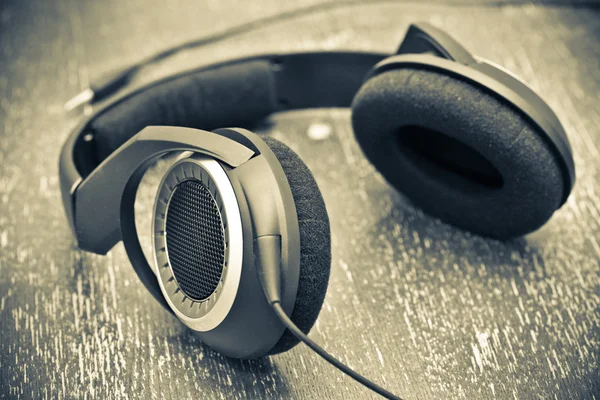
(250, 329)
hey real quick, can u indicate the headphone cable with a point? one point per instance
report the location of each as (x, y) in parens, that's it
(269, 272)
(328, 357)
(110, 82)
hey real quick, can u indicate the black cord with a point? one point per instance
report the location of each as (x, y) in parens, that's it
(268, 261)
(111, 82)
(267, 255)
(323, 6)
(328, 357)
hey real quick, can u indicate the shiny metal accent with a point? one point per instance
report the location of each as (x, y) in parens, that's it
(206, 314)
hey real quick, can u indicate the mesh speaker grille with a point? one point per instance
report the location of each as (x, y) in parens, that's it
(195, 241)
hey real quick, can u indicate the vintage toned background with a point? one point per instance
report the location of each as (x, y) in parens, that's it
(425, 309)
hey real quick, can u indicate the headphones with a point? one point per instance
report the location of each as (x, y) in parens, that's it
(241, 237)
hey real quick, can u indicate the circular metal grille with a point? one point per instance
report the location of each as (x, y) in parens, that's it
(195, 241)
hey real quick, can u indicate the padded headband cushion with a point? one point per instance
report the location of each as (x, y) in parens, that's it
(230, 95)
(315, 243)
(458, 151)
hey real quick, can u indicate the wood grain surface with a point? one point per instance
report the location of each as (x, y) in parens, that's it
(425, 309)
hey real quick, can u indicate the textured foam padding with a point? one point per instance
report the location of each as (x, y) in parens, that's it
(458, 151)
(315, 243)
(233, 95)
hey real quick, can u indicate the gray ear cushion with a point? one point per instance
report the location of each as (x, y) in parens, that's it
(413, 125)
(315, 243)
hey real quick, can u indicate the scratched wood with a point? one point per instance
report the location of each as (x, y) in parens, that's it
(427, 310)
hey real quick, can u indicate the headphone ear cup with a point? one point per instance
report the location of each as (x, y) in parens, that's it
(458, 151)
(315, 243)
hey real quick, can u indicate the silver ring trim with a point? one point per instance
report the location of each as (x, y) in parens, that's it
(206, 314)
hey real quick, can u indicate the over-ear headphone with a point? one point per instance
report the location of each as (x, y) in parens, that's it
(241, 236)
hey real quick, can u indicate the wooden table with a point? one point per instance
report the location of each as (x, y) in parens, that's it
(425, 309)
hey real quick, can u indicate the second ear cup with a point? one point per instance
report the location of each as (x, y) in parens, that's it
(458, 151)
(315, 243)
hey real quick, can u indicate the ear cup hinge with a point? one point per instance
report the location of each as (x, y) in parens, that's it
(425, 38)
(104, 189)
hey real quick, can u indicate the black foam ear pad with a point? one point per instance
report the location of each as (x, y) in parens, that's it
(315, 243)
(458, 151)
